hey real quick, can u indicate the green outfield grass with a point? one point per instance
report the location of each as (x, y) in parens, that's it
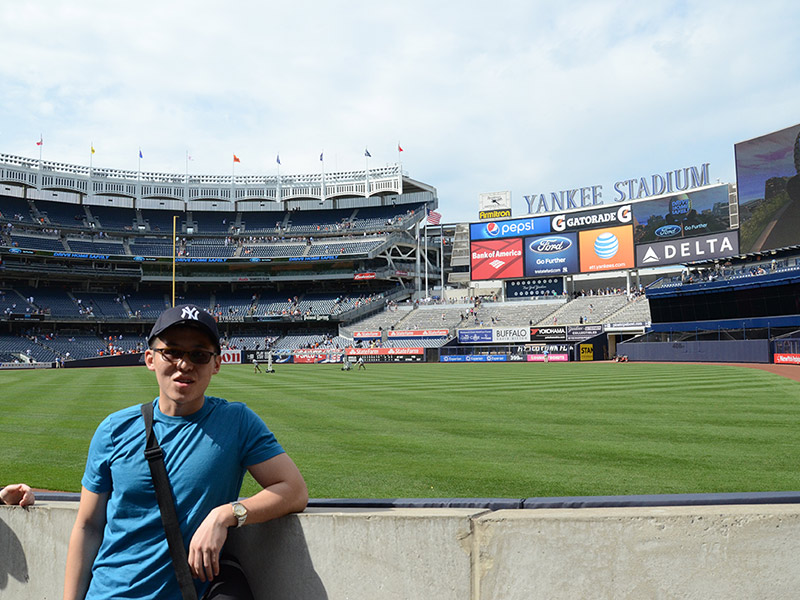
(470, 430)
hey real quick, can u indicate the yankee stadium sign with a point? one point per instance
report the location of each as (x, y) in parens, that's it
(657, 184)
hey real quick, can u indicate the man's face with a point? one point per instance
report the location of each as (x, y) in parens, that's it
(182, 384)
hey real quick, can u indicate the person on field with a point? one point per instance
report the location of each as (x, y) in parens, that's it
(118, 545)
(17, 494)
(256, 368)
(360, 363)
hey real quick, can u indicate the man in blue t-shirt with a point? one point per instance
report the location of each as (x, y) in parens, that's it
(118, 547)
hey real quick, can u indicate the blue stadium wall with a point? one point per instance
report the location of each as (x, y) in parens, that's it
(765, 302)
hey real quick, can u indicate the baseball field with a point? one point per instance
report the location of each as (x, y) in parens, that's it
(470, 430)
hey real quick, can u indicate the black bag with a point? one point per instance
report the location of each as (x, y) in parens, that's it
(169, 518)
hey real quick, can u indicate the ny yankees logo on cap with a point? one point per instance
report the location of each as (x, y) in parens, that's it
(186, 314)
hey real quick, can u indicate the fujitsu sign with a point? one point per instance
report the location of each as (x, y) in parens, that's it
(678, 180)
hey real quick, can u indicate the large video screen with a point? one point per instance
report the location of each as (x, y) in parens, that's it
(666, 230)
(768, 185)
(698, 212)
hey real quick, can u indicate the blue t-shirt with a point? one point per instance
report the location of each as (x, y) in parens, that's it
(206, 455)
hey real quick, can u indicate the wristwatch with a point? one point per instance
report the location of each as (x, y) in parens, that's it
(240, 512)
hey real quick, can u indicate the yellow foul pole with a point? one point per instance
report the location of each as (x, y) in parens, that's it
(174, 242)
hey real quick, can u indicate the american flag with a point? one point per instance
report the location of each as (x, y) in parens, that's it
(434, 217)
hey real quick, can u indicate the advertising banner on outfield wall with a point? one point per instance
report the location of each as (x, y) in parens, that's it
(317, 356)
(511, 335)
(550, 358)
(448, 358)
(718, 245)
(787, 359)
(576, 333)
(231, 357)
(366, 335)
(496, 335)
(387, 354)
(475, 336)
(412, 333)
(545, 334)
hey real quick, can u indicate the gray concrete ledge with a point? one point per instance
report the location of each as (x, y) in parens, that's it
(727, 552)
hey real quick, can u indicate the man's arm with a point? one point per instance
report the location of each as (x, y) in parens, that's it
(84, 542)
(284, 492)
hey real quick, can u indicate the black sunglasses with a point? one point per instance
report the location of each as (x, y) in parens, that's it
(198, 357)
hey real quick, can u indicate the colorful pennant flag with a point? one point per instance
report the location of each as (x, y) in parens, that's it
(41, 140)
(367, 154)
(236, 159)
(434, 217)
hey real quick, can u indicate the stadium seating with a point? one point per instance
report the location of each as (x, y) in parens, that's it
(62, 214)
(113, 218)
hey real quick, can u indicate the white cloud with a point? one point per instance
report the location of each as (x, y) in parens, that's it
(512, 95)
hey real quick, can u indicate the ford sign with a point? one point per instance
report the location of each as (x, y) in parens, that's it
(550, 245)
(668, 231)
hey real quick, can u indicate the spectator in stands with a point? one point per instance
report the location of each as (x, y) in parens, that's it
(17, 494)
(117, 544)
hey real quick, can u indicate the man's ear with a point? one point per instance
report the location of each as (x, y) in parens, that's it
(149, 357)
(217, 364)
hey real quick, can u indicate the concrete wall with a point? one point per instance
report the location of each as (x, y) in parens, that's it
(703, 552)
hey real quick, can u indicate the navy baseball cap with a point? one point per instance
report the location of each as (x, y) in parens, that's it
(189, 315)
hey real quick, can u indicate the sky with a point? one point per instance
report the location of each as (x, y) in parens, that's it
(529, 97)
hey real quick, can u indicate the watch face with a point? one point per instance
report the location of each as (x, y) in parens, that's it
(239, 510)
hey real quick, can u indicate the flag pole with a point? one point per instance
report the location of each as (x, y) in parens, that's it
(278, 191)
(366, 169)
(441, 262)
(399, 160)
(174, 241)
(427, 293)
(324, 190)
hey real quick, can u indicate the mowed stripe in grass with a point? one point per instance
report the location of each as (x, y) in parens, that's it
(474, 430)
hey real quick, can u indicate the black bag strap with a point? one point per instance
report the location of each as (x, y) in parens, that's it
(169, 518)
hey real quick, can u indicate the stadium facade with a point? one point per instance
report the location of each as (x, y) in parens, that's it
(90, 250)
(320, 266)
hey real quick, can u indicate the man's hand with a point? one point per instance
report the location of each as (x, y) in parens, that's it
(18, 493)
(207, 542)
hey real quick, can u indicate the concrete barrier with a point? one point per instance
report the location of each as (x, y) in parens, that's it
(704, 552)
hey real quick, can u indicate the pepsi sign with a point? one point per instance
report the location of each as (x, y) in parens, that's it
(512, 228)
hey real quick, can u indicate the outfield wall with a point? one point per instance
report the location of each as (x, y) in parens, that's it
(744, 351)
(703, 552)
